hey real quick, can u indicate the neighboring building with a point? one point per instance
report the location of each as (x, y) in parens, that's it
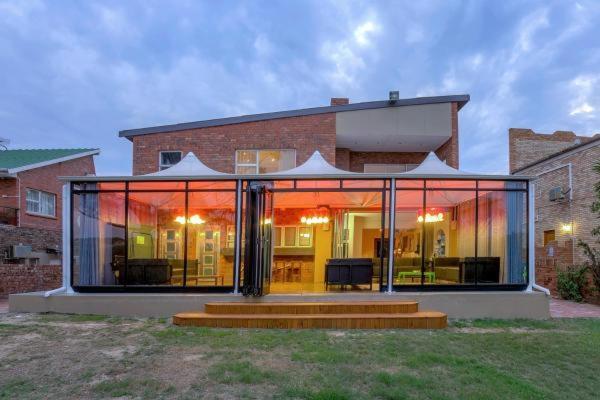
(376, 136)
(31, 200)
(562, 163)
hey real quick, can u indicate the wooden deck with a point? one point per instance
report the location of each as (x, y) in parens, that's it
(315, 315)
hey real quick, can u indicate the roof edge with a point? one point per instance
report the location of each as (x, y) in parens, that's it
(53, 161)
(461, 99)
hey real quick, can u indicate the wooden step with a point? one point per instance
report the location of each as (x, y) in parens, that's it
(415, 320)
(357, 307)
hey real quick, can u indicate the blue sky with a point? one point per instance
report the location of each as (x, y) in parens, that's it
(74, 73)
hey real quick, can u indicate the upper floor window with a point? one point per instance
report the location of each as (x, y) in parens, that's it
(264, 161)
(389, 168)
(168, 159)
(41, 203)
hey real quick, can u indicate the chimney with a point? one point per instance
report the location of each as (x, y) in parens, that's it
(339, 101)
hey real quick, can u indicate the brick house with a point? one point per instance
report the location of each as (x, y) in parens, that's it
(31, 199)
(376, 136)
(562, 164)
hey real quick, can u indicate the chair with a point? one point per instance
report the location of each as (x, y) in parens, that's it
(297, 271)
(447, 269)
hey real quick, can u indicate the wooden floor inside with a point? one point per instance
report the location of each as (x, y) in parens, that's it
(315, 315)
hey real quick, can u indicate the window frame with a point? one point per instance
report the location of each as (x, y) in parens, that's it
(162, 166)
(39, 193)
(256, 165)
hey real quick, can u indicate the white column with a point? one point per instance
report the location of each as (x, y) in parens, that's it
(66, 237)
(531, 236)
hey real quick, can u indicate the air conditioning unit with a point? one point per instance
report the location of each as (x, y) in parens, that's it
(19, 251)
(556, 193)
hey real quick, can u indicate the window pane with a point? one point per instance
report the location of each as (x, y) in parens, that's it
(156, 235)
(363, 183)
(157, 185)
(98, 239)
(305, 236)
(168, 158)
(321, 184)
(290, 236)
(111, 185)
(211, 238)
(502, 238)
(450, 184)
(277, 240)
(409, 183)
(246, 156)
(245, 170)
(212, 185)
(275, 160)
(449, 236)
(502, 185)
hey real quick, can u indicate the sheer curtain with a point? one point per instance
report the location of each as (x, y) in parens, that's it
(89, 239)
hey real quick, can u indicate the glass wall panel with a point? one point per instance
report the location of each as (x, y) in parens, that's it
(408, 237)
(156, 222)
(320, 184)
(363, 183)
(450, 184)
(212, 185)
(449, 237)
(156, 185)
(210, 238)
(98, 238)
(502, 238)
(409, 184)
(502, 185)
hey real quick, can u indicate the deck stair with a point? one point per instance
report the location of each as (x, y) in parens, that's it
(314, 315)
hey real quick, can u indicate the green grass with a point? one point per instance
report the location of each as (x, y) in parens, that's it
(82, 357)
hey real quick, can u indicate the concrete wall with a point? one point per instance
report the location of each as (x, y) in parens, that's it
(503, 305)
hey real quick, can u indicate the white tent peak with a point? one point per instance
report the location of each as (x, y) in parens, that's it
(315, 165)
(432, 165)
(189, 165)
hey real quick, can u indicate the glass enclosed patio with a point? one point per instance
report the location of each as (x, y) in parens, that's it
(311, 229)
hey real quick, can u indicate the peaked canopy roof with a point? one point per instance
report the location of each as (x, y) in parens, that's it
(189, 165)
(315, 165)
(432, 165)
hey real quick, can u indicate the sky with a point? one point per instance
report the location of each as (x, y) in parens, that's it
(74, 73)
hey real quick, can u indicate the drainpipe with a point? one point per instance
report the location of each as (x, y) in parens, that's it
(66, 240)
(531, 256)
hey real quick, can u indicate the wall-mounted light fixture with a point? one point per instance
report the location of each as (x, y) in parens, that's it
(567, 228)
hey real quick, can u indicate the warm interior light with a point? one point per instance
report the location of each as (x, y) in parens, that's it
(567, 228)
(194, 220)
(267, 221)
(439, 217)
(314, 220)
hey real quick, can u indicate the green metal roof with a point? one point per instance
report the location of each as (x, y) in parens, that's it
(10, 159)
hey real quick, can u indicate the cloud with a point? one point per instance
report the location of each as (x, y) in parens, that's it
(585, 89)
(347, 56)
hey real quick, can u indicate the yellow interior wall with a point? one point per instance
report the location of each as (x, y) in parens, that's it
(322, 241)
(368, 242)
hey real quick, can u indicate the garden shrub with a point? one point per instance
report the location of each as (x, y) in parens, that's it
(571, 281)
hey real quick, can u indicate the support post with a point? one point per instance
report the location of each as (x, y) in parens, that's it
(238, 237)
(66, 237)
(392, 231)
(531, 236)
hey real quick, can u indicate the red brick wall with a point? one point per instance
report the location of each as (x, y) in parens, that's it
(39, 239)
(15, 278)
(449, 151)
(216, 146)
(46, 179)
(8, 187)
(357, 160)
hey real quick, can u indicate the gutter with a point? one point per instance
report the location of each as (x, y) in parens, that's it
(66, 240)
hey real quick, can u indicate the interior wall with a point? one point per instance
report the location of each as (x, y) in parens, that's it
(323, 239)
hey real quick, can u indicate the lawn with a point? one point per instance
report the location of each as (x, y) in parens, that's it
(62, 356)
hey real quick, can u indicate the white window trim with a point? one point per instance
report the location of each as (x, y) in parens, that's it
(255, 165)
(160, 164)
(39, 201)
(297, 237)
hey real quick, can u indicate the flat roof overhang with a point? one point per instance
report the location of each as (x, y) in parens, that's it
(281, 177)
